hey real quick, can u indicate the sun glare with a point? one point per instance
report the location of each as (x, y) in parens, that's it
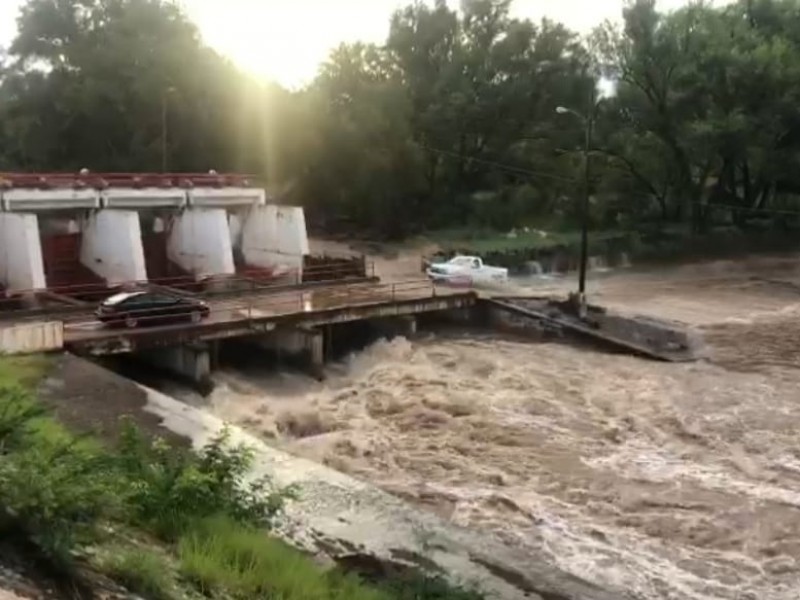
(286, 40)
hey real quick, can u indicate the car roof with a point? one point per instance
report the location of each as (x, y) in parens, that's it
(120, 298)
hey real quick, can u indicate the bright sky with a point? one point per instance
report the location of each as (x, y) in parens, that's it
(285, 40)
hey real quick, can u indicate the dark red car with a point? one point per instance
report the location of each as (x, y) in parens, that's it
(144, 308)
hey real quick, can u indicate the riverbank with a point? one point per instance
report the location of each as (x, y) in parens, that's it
(114, 513)
(336, 518)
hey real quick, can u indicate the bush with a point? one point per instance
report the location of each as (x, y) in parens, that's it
(53, 486)
(53, 495)
(170, 488)
(140, 571)
(17, 414)
(222, 556)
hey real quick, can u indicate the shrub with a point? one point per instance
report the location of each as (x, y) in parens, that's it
(140, 571)
(17, 414)
(52, 495)
(169, 489)
(222, 556)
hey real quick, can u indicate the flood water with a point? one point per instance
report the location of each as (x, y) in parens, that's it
(667, 481)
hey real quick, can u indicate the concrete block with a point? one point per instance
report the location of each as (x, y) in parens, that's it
(200, 242)
(26, 338)
(112, 246)
(274, 236)
(21, 264)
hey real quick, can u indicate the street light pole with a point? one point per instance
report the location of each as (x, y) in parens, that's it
(588, 124)
(585, 208)
(164, 127)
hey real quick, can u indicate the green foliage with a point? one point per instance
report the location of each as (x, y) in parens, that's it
(141, 571)
(18, 412)
(168, 489)
(451, 122)
(53, 489)
(222, 556)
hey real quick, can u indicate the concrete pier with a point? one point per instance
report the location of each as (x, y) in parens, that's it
(392, 327)
(21, 264)
(200, 242)
(191, 362)
(112, 245)
(304, 346)
(273, 236)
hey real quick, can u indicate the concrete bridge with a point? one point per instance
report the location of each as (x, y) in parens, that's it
(296, 323)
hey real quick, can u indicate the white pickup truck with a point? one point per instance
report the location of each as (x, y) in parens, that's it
(466, 270)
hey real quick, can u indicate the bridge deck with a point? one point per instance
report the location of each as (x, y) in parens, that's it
(262, 313)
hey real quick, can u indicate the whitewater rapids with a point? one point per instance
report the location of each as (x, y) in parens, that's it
(677, 482)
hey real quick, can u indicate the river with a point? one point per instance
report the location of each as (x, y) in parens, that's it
(668, 481)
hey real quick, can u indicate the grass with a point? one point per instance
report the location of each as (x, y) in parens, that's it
(204, 523)
(221, 555)
(25, 371)
(141, 571)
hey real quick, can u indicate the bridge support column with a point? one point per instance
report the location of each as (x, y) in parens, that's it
(391, 327)
(21, 264)
(305, 346)
(190, 361)
(274, 236)
(112, 246)
(200, 242)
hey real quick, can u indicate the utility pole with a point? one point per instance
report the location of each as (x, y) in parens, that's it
(165, 127)
(588, 124)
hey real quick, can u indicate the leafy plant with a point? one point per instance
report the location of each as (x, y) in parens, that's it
(54, 495)
(170, 488)
(17, 413)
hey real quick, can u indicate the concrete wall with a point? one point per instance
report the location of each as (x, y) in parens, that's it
(275, 236)
(25, 338)
(200, 242)
(112, 246)
(21, 264)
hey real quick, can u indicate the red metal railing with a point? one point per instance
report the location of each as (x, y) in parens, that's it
(106, 180)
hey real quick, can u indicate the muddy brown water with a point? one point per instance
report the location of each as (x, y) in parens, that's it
(671, 481)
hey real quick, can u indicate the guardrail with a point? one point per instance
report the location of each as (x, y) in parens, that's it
(255, 280)
(300, 301)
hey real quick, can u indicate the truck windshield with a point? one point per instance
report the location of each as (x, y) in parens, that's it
(463, 261)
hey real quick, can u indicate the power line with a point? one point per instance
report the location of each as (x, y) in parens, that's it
(501, 166)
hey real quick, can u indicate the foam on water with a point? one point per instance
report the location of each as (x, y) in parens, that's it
(678, 482)
(672, 481)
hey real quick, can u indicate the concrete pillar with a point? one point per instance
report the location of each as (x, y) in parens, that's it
(21, 264)
(200, 242)
(392, 327)
(191, 362)
(274, 236)
(302, 345)
(111, 246)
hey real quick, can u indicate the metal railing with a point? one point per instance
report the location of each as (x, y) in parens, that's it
(265, 307)
(74, 297)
